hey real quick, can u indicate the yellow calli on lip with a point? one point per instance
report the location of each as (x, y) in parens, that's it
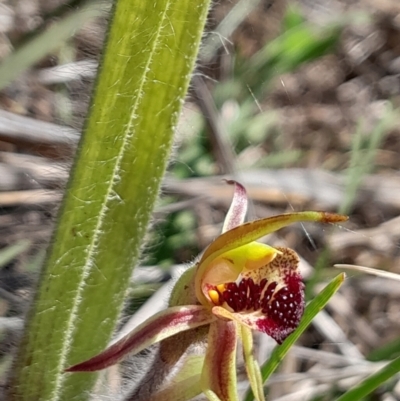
(240, 285)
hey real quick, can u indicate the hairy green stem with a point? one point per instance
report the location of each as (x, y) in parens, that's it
(149, 55)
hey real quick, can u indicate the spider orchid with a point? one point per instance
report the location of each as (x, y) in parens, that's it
(238, 285)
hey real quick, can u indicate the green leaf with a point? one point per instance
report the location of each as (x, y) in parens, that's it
(312, 309)
(149, 55)
(372, 382)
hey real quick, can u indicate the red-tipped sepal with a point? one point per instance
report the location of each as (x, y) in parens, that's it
(157, 328)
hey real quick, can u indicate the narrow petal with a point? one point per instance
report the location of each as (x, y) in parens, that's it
(249, 232)
(218, 378)
(252, 366)
(238, 209)
(160, 326)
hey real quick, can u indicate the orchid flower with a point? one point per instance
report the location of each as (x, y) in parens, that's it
(238, 285)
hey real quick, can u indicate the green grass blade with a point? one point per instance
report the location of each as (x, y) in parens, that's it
(385, 352)
(312, 309)
(12, 251)
(292, 18)
(149, 55)
(372, 382)
(294, 47)
(362, 159)
(47, 41)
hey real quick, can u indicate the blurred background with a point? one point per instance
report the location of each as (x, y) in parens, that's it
(298, 100)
